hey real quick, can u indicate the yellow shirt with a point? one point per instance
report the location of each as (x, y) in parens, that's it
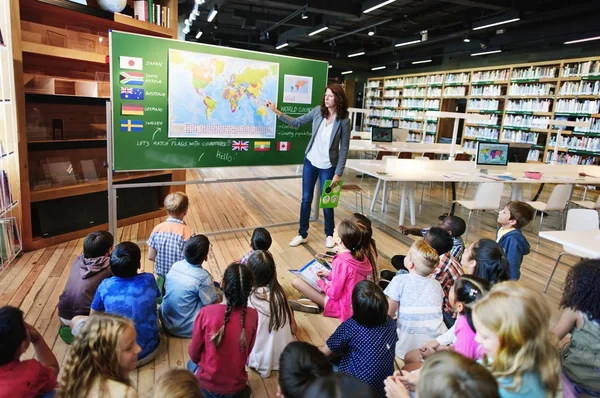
(503, 231)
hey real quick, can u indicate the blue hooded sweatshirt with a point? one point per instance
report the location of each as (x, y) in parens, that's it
(515, 246)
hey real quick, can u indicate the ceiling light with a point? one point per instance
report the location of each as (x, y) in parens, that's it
(186, 29)
(583, 40)
(425, 61)
(511, 16)
(304, 16)
(318, 30)
(330, 66)
(212, 14)
(486, 53)
(356, 54)
(467, 39)
(378, 67)
(187, 22)
(192, 17)
(377, 4)
(196, 12)
(406, 43)
(198, 34)
(199, 2)
(372, 32)
(424, 35)
(346, 72)
(282, 45)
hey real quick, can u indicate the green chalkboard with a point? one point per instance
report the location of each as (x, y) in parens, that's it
(178, 105)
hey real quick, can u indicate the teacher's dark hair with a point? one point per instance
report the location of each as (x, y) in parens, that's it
(341, 102)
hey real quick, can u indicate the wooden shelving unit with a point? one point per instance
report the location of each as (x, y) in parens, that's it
(46, 45)
(518, 98)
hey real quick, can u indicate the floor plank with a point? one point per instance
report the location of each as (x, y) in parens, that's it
(36, 279)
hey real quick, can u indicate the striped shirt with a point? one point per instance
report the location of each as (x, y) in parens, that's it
(167, 238)
(419, 312)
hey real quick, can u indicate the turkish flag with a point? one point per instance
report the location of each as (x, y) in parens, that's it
(284, 146)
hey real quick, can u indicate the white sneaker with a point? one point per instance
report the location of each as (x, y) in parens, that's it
(297, 241)
(329, 242)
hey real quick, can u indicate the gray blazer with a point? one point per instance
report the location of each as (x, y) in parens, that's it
(340, 136)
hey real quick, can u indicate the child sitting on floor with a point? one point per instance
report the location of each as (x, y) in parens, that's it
(87, 272)
(189, 287)
(366, 342)
(30, 378)
(413, 293)
(260, 240)
(512, 218)
(349, 267)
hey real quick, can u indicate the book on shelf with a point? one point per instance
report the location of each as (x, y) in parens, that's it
(6, 198)
(10, 242)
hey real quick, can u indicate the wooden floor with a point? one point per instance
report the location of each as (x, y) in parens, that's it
(36, 280)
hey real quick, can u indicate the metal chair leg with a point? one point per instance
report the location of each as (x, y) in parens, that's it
(540, 227)
(468, 224)
(554, 270)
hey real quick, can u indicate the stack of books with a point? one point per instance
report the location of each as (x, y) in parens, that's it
(10, 243)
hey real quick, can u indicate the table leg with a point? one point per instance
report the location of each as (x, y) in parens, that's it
(402, 204)
(411, 201)
(384, 197)
(516, 192)
(375, 195)
(453, 207)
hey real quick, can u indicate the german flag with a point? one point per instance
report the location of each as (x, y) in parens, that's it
(131, 109)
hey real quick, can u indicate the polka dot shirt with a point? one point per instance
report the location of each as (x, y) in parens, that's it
(366, 353)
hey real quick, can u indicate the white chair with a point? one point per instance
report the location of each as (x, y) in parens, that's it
(588, 204)
(487, 197)
(558, 200)
(577, 220)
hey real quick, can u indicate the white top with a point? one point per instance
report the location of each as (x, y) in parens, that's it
(111, 389)
(319, 151)
(419, 311)
(268, 346)
(584, 243)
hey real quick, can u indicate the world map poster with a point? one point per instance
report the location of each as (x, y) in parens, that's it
(215, 96)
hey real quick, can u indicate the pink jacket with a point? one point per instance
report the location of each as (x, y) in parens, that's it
(346, 272)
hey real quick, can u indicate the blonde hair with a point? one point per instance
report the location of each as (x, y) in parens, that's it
(177, 383)
(424, 257)
(176, 203)
(95, 352)
(520, 318)
(455, 376)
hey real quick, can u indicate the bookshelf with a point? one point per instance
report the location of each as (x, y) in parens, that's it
(10, 201)
(520, 99)
(62, 83)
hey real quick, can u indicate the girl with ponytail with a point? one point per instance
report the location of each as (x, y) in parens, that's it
(276, 323)
(224, 336)
(349, 266)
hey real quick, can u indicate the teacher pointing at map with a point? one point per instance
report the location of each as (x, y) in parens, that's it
(325, 155)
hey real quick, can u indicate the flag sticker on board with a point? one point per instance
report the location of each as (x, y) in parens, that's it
(131, 63)
(132, 126)
(132, 93)
(262, 146)
(134, 78)
(131, 109)
(284, 146)
(239, 145)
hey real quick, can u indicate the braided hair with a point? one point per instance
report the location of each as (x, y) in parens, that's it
(95, 352)
(237, 285)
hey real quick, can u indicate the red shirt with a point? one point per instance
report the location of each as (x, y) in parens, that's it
(222, 369)
(26, 379)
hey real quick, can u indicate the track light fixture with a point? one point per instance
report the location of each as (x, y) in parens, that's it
(304, 16)
(212, 14)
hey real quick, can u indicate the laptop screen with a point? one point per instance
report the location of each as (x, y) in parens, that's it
(381, 134)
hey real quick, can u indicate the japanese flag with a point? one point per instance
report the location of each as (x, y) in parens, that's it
(131, 63)
(283, 146)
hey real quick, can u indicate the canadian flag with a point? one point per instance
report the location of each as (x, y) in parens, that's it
(284, 146)
(131, 63)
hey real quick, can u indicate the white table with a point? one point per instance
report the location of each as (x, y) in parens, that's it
(412, 170)
(587, 242)
(396, 147)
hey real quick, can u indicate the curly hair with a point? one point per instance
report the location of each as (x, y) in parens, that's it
(95, 352)
(237, 285)
(519, 316)
(341, 102)
(581, 291)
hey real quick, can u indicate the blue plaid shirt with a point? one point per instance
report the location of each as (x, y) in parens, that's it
(167, 238)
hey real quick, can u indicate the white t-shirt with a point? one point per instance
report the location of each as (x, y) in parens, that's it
(419, 311)
(319, 151)
(268, 346)
(111, 389)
